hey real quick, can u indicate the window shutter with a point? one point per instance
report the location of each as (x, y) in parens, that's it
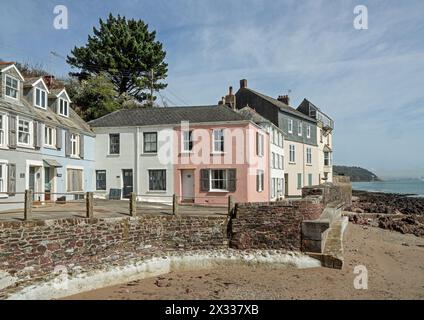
(37, 134)
(12, 131)
(232, 180)
(59, 138)
(67, 143)
(81, 151)
(204, 180)
(11, 180)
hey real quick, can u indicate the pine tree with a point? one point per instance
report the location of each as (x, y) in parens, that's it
(127, 53)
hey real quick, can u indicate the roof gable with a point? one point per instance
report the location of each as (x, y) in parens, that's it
(12, 67)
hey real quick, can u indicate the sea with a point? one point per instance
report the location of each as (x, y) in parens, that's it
(413, 187)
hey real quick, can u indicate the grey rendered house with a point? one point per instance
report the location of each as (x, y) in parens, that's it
(44, 145)
(302, 153)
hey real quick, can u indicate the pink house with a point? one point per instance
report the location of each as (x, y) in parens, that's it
(221, 159)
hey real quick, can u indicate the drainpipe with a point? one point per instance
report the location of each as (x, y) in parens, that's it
(136, 162)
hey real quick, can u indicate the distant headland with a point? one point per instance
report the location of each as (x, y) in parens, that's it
(356, 174)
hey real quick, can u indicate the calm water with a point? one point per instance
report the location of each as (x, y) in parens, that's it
(410, 186)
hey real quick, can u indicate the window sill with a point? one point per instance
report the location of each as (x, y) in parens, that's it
(4, 196)
(26, 146)
(309, 164)
(112, 155)
(186, 153)
(50, 147)
(292, 162)
(156, 191)
(74, 157)
(217, 153)
(149, 154)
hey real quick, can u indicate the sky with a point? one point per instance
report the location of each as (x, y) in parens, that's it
(370, 81)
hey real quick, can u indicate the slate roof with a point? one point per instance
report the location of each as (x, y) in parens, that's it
(282, 106)
(169, 115)
(48, 116)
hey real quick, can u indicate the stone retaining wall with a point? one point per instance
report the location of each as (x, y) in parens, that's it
(32, 249)
(275, 225)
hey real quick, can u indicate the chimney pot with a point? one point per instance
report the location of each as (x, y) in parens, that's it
(230, 91)
(243, 83)
(284, 99)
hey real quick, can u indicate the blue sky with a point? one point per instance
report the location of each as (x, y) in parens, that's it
(370, 81)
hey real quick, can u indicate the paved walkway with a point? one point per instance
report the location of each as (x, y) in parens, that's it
(108, 209)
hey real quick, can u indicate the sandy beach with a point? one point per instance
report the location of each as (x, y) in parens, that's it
(394, 262)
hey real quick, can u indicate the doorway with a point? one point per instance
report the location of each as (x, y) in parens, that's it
(286, 184)
(127, 183)
(187, 185)
(34, 182)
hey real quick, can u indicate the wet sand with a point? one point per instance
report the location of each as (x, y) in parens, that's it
(395, 264)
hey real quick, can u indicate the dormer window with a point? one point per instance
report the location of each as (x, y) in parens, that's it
(63, 108)
(12, 87)
(40, 98)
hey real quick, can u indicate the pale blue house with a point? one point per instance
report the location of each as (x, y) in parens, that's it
(44, 145)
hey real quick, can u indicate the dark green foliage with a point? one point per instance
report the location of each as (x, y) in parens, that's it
(356, 174)
(126, 53)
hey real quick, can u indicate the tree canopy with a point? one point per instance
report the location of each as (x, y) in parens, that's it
(125, 52)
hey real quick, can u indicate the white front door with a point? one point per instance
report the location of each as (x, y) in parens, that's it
(187, 183)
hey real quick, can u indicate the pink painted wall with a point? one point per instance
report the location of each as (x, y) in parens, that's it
(239, 154)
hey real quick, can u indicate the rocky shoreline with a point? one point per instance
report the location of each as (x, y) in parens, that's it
(378, 202)
(396, 212)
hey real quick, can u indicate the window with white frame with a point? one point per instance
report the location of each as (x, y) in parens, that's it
(12, 87)
(3, 130)
(278, 162)
(114, 143)
(273, 160)
(260, 177)
(49, 136)
(40, 98)
(24, 132)
(63, 107)
(100, 179)
(309, 155)
(259, 144)
(150, 140)
(218, 180)
(157, 180)
(290, 126)
(280, 139)
(187, 140)
(3, 178)
(218, 140)
(327, 159)
(299, 128)
(292, 154)
(308, 132)
(75, 145)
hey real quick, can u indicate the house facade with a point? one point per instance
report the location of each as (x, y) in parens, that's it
(201, 154)
(302, 164)
(325, 127)
(276, 153)
(44, 145)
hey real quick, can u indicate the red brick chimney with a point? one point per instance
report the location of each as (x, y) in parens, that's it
(284, 99)
(243, 83)
(230, 99)
(49, 79)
